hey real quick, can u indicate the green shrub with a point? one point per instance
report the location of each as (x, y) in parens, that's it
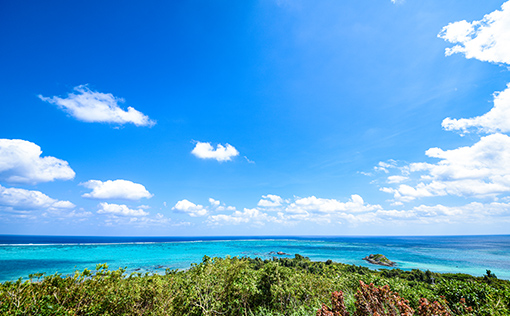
(243, 286)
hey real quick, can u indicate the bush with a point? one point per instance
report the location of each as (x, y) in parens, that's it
(243, 286)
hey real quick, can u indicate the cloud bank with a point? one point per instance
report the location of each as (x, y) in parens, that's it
(252, 216)
(496, 120)
(21, 199)
(481, 170)
(353, 212)
(485, 40)
(21, 162)
(91, 106)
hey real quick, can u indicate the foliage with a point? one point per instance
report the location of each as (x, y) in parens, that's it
(432, 309)
(372, 300)
(380, 301)
(337, 306)
(251, 287)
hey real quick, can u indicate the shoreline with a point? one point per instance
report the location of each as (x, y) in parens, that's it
(162, 269)
(469, 255)
(237, 286)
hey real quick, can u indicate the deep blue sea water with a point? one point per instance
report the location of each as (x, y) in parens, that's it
(23, 255)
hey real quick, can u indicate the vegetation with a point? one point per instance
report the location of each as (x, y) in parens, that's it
(244, 286)
(379, 259)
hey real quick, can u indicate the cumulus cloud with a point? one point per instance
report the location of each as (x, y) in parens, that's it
(321, 210)
(331, 211)
(21, 162)
(253, 216)
(115, 189)
(73, 216)
(143, 221)
(91, 106)
(214, 202)
(485, 40)
(197, 210)
(270, 200)
(122, 210)
(397, 179)
(314, 205)
(496, 120)
(157, 220)
(309, 209)
(473, 212)
(218, 206)
(386, 166)
(221, 153)
(355, 212)
(481, 170)
(190, 208)
(21, 199)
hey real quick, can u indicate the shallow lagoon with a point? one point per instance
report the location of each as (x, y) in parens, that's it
(23, 255)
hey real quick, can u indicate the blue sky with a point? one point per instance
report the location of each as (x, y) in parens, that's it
(270, 117)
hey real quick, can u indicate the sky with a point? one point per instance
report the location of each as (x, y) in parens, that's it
(268, 117)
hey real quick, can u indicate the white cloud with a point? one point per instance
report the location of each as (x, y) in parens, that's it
(21, 199)
(482, 170)
(144, 221)
(437, 210)
(190, 208)
(219, 207)
(214, 202)
(115, 189)
(21, 162)
(157, 220)
(253, 215)
(123, 210)
(91, 106)
(197, 210)
(65, 215)
(384, 166)
(496, 120)
(397, 179)
(270, 200)
(473, 212)
(222, 208)
(318, 205)
(221, 153)
(248, 160)
(355, 212)
(309, 209)
(485, 40)
(62, 204)
(324, 211)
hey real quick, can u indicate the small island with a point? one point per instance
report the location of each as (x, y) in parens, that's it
(281, 253)
(380, 260)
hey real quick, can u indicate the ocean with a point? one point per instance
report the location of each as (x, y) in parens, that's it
(23, 255)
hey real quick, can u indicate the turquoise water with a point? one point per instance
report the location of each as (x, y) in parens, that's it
(23, 255)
